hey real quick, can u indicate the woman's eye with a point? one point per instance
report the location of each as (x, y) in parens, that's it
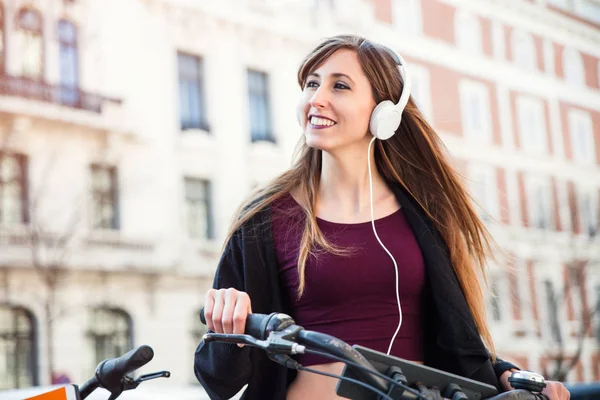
(341, 86)
(311, 84)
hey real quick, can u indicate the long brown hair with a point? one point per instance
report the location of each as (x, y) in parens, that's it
(414, 158)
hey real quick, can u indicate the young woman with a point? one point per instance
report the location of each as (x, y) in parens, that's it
(406, 283)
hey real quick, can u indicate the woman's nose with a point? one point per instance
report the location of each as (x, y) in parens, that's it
(320, 98)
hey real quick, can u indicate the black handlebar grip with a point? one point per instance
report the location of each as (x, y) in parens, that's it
(256, 324)
(110, 372)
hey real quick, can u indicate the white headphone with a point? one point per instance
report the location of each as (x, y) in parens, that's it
(386, 116)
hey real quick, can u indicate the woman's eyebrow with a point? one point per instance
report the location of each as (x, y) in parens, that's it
(335, 75)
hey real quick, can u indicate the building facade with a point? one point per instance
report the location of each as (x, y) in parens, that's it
(132, 129)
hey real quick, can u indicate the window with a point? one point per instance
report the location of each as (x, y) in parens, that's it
(198, 208)
(2, 50)
(524, 54)
(588, 9)
(18, 363)
(475, 110)
(532, 125)
(467, 31)
(420, 89)
(573, 67)
(13, 189)
(30, 44)
(110, 331)
(192, 107)
(260, 115)
(524, 294)
(495, 305)
(582, 137)
(69, 75)
(105, 197)
(575, 289)
(483, 186)
(589, 206)
(498, 40)
(597, 313)
(406, 15)
(553, 311)
(540, 202)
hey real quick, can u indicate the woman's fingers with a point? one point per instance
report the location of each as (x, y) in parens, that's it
(230, 297)
(217, 312)
(209, 303)
(240, 313)
(226, 310)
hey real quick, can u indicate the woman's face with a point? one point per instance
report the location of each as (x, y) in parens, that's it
(336, 103)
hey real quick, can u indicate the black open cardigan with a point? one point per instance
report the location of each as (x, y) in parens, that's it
(451, 340)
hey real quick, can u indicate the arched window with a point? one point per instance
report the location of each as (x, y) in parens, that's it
(573, 67)
(523, 47)
(30, 44)
(18, 356)
(110, 331)
(467, 31)
(69, 65)
(2, 50)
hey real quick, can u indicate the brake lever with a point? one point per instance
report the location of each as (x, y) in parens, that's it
(129, 383)
(276, 343)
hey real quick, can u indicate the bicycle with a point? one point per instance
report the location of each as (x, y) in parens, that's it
(369, 374)
(112, 375)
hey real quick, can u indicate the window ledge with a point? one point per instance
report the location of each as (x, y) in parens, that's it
(115, 239)
(201, 130)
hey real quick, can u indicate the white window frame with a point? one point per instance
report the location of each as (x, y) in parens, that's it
(483, 179)
(534, 139)
(564, 209)
(514, 197)
(421, 89)
(477, 91)
(549, 57)
(498, 40)
(407, 16)
(588, 217)
(573, 67)
(523, 49)
(582, 143)
(524, 297)
(533, 183)
(467, 32)
(498, 278)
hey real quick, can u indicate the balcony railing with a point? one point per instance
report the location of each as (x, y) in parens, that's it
(62, 95)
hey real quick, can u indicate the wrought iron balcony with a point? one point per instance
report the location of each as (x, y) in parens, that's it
(55, 94)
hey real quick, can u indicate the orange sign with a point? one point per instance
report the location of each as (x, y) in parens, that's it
(64, 393)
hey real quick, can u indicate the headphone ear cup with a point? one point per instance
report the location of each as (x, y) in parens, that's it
(385, 119)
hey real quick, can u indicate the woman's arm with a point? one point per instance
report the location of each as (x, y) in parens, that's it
(224, 368)
(501, 368)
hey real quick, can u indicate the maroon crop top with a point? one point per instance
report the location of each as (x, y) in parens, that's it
(353, 297)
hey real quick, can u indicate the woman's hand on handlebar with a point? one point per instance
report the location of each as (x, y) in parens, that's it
(226, 310)
(556, 391)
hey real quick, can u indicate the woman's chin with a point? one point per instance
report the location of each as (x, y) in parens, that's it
(320, 142)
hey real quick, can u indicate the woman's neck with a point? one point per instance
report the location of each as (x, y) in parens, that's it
(344, 184)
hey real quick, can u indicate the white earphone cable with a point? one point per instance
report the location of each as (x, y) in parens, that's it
(383, 246)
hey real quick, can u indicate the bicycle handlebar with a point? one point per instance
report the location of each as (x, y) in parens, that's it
(110, 372)
(277, 334)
